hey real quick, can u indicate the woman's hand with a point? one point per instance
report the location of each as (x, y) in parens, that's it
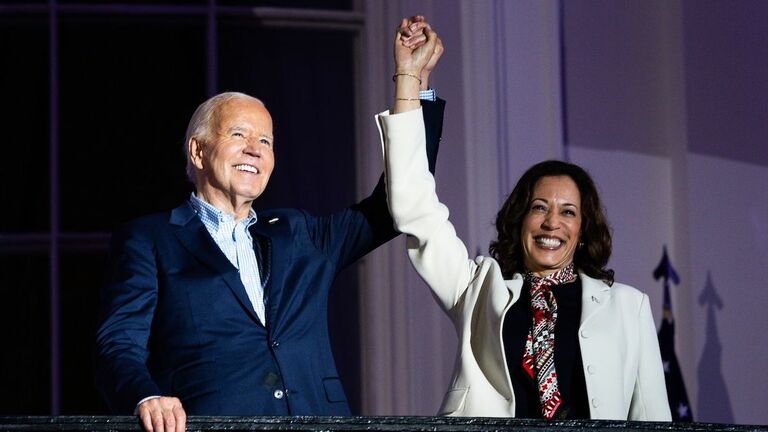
(415, 46)
(413, 37)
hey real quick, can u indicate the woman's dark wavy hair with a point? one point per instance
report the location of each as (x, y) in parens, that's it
(590, 258)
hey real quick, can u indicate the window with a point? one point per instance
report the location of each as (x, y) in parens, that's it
(96, 102)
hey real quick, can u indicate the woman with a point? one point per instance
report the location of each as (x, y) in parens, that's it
(544, 331)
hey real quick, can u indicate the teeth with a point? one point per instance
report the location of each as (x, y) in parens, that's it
(548, 242)
(249, 168)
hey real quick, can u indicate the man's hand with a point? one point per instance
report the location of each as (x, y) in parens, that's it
(163, 414)
(439, 50)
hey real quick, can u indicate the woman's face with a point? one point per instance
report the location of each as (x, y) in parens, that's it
(552, 226)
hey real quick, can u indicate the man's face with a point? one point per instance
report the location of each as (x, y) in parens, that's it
(238, 158)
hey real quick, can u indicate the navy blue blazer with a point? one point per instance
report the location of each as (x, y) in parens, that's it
(175, 319)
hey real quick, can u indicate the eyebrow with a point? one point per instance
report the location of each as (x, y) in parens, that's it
(547, 202)
(245, 129)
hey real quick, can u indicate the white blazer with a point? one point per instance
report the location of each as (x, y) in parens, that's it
(617, 335)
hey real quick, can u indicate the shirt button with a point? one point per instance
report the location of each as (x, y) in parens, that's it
(595, 402)
(591, 369)
(584, 334)
(278, 394)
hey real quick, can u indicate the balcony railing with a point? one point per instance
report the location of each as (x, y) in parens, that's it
(393, 423)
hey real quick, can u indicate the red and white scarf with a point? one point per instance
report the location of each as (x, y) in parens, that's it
(539, 357)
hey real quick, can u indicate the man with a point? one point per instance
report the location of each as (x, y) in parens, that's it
(213, 309)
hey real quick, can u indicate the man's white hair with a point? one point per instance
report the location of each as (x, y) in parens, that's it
(202, 123)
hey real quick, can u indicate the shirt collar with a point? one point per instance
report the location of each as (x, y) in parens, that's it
(212, 215)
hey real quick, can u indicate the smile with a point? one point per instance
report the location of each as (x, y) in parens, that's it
(548, 242)
(247, 168)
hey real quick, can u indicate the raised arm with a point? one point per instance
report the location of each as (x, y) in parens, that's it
(437, 253)
(409, 64)
(349, 234)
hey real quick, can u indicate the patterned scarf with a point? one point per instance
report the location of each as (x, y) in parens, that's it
(539, 357)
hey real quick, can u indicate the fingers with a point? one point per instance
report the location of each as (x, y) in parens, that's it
(439, 49)
(415, 41)
(163, 414)
(412, 31)
(169, 421)
(181, 418)
(436, 54)
(146, 420)
(416, 47)
(410, 28)
(157, 421)
(432, 38)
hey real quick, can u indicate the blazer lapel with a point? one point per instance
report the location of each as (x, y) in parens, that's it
(515, 286)
(262, 245)
(487, 325)
(595, 295)
(271, 240)
(195, 237)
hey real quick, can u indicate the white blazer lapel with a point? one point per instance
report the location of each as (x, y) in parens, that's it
(496, 296)
(595, 295)
(514, 286)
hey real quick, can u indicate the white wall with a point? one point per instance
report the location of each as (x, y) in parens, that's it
(729, 214)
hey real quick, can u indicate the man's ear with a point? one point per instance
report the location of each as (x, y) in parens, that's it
(195, 148)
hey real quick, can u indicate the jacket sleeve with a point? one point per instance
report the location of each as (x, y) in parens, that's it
(127, 305)
(350, 234)
(438, 255)
(649, 397)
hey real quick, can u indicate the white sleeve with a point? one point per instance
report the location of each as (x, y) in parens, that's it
(438, 255)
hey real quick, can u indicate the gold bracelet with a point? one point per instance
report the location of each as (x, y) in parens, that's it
(394, 77)
(408, 99)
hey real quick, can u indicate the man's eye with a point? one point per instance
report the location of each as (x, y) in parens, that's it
(237, 134)
(265, 141)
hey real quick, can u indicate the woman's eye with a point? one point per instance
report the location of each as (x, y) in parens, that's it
(569, 212)
(538, 208)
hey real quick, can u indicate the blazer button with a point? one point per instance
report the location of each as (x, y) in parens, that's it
(275, 344)
(278, 394)
(591, 369)
(595, 402)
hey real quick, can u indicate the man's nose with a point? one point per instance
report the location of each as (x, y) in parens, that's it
(252, 148)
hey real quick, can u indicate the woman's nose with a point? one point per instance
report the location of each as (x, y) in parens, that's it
(551, 221)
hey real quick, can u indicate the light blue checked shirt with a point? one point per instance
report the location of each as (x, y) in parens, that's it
(236, 242)
(428, 94)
